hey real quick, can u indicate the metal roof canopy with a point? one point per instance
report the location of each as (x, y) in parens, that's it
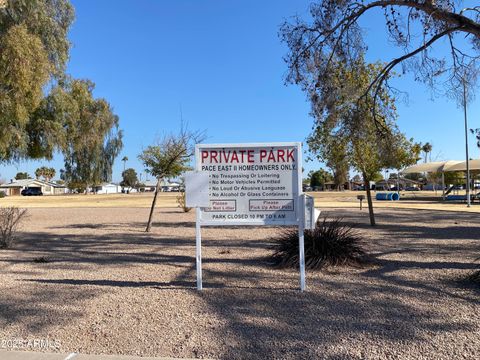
(462, 166)
(438, 166)
(443, 166)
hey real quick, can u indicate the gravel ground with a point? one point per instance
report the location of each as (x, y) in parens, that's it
(110, 288)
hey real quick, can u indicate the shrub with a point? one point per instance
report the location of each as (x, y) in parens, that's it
(182, 202)
(331, 243)
(41, 260)
(2, 194)
(10, 218)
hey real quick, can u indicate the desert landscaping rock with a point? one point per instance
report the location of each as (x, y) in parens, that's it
(111, 288)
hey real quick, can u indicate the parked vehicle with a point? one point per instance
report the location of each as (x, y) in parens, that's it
(32, 192)
(412, 188)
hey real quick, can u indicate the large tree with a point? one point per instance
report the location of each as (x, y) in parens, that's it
(336, 159)
(129, 178)
(334, 34)
(319, 178)
(22, 176)
(34, 50)
(169, 158)
(343, 126)
(90, 138)
(454, 177)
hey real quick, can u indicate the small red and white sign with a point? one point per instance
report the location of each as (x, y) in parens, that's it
(272, 205)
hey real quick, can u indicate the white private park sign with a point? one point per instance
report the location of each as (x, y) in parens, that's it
(249, 184)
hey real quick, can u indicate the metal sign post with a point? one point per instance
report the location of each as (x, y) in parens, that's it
(198, 249)
(197, 196)
(301, 244)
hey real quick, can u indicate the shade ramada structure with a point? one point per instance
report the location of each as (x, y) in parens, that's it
(432, 167)
(442, 166)
(462, 165)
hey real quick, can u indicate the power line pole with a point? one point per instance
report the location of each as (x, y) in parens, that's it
(466, 138)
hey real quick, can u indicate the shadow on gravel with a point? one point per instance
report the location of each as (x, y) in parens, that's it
(111, 245)
(118, 283)
(269, 324)
(40, 308)
(187, 224)
(396, 284)
(140, 226)
(87, 226)
(176, 284)
(123, 250)
(424, 232)
(276, 323)
(424, 226)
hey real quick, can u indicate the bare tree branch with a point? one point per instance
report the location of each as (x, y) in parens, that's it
(335, 36)
(382, 75)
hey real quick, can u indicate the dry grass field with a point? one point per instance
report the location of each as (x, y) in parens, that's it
(425, 200)
(83, 273)
(141, 200)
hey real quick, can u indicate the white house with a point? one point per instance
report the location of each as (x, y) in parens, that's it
(150, 185)
(165, 186)
(107, 188)
(171, 186)
(58, 189)
(15, 187)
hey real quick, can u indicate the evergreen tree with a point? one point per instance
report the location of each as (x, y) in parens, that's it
(34, 49)
(22, 176)
(129, 178)
(90, 139)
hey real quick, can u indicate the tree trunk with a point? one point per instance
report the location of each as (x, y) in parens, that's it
(154, 202)
(369, 200)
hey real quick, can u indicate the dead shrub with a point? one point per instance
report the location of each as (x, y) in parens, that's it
(182, 202)
(10, 219)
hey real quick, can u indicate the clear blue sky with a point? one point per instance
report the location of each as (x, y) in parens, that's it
(221, 63)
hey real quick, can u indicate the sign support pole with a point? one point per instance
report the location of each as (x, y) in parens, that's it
(198, 249)
(443, 185)
(301, 244)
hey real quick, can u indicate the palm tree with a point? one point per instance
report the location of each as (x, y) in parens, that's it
(50, 174)
(124, 159)
(427, 148)
(45, 172)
